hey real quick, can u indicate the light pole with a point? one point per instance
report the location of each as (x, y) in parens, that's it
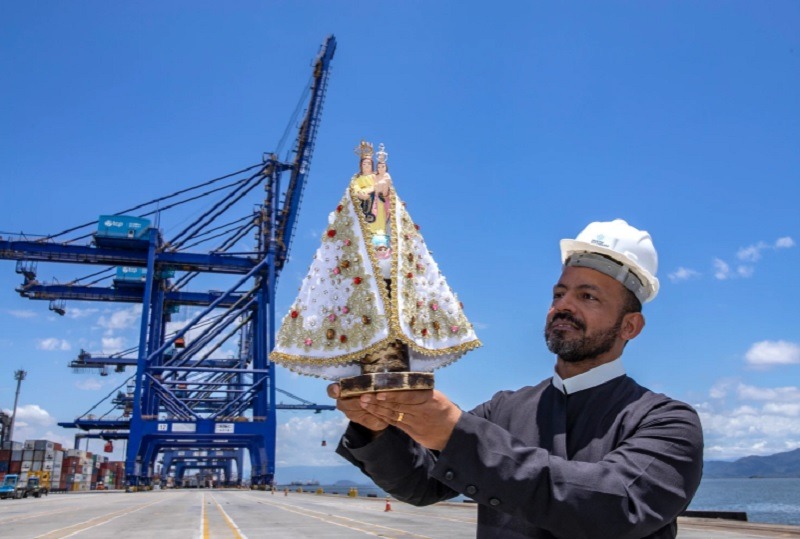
(19, 376)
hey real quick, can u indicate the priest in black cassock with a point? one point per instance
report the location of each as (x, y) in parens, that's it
(586, 453)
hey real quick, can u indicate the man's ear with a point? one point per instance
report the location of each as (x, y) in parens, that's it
(632, 325)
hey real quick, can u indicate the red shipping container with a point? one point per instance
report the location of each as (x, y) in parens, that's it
(15, 466)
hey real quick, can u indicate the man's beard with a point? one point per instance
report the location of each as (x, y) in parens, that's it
(582, 347)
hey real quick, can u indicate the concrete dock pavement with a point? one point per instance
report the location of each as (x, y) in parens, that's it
(242, 514)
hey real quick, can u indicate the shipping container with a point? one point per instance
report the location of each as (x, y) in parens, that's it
(127, 275)
(38, 454)
(15, 466)
(26, 466)
(13, 446)
(17, 454)
(30, 445)
(41, 445)
(27, 454)
(122, 226)
(3, 466)
(5, 454)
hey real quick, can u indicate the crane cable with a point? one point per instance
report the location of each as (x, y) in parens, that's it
(156, 201)
(175, 243)
(231, 232)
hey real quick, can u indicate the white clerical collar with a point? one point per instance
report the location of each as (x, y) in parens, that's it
(591, 378)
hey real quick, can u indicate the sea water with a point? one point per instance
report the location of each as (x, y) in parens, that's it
(767, 501)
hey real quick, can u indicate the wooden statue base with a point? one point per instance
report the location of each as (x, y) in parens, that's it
(384, 381)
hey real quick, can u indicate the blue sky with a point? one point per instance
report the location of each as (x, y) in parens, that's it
(509, 126)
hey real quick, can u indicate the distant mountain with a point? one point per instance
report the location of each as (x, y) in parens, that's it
(326, 475)
(778, 465)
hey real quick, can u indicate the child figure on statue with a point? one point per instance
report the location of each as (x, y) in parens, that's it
(374, 312)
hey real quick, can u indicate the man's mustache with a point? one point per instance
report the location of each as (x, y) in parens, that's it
(569, 318)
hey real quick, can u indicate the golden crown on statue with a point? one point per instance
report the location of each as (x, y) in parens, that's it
(364, 150)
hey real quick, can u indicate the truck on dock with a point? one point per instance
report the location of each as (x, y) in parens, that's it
(13, 488)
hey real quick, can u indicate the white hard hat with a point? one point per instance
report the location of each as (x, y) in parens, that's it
(632, 250)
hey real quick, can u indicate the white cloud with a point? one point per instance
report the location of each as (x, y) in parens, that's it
(769, 353)
(748, 430)
(31, 415)
(721, 269)
(112, 345)
(121, 319)
(683, 274)
(76, 313)
(788, 410)
(748, 255)
(35, 423)
(721, 389)
(741, 419)
(22, 313)
(299, 441)
(781, 394)
(52, 344)
(89, 384)
(751, 253)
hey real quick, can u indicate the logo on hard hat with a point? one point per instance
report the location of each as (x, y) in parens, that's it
(599, 241)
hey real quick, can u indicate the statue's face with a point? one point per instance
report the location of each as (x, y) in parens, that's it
(381, 167)
(366, 166)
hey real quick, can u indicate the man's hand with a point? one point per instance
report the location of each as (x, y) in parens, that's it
(351, 407)
(426, 416)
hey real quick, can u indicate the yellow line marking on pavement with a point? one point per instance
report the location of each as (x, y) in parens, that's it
(203, 519)
(237, 533)
(113, 516)
(307, 512)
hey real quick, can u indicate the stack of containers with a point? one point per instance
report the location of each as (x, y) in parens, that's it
(77, 470)
(5, 458)
(108, 473)
(40, 458)
(59, 469)
(97, 477)
(56, 479)
(15, 464)
(118, 471)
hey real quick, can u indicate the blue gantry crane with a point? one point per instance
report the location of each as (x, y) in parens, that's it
(187, 396)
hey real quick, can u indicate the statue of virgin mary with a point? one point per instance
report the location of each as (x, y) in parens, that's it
(374, 311)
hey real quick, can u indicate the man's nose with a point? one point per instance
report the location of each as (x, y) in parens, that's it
(563, 303)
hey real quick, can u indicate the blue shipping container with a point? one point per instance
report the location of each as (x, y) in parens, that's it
(123, 226)
(127, 273)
